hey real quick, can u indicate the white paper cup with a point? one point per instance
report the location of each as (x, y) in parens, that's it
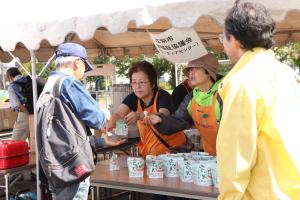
(200, 153)
(197, 155)
(135, 167)
(171, 165)
(185, 170)
(114, 164)
(214, 174)
(154, 167)
(186, 156)
(201, 173)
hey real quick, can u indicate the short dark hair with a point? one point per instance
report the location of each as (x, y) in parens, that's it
(146, 68)
(13, 72)
(251, 24)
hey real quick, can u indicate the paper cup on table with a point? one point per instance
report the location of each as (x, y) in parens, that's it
(197, 155)
(201, 173)
(135, 167)
(214, 174)
(154, 167)
(185, 170)
(209, 158)
(114, 163)
(186, 156)
(200, 153)
(171, 165)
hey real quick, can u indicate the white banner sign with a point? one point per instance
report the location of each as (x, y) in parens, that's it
(179, 45)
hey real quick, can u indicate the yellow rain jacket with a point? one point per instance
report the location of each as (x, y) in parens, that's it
(258, 143)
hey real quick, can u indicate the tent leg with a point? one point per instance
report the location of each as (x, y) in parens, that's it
(34, 88)
(2, 84)
(19, 63)
(176, 75)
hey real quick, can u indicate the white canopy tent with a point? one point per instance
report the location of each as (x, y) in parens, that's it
(117, 27)
(120, 27)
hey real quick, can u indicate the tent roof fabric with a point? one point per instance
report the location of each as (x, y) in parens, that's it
(120, 27)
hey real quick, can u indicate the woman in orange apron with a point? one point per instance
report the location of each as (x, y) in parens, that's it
(147, 98)
(202, 107)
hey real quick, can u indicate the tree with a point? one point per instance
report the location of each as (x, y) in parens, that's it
(38, 66)
(162, 65)
(289, 54)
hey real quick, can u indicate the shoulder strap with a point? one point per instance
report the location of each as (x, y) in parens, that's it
(160, 139)
(56, 86)
(56, 93)
(155, 105)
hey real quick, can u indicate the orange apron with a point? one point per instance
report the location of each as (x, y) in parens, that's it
(150, 144)
(205, 121)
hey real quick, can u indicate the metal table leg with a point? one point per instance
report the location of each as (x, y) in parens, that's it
(92, 189)
(6, 177)
(97, 192)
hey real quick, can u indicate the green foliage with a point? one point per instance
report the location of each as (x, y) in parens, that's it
(219, 55)
(164, 66)
(101, 60)
(224, 67)
(123, 64)
(164, 85)
(38, 66)
(289, 54)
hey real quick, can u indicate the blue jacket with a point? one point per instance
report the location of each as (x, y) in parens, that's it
(74, 94)
(15, 93)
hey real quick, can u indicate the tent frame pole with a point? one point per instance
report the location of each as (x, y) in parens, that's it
(34, 88)
(47, 64)
(20, 64)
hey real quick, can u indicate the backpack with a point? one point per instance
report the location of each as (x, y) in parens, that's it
(27, 92)
(65, 153)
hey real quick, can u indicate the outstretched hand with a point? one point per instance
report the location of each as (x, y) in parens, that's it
(131, 118)
(109, 126)
(110, 142)
(152, 120)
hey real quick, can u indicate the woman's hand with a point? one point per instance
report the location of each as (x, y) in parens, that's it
(152, 119)
(131, 118)
(109, 126)
(110, 142)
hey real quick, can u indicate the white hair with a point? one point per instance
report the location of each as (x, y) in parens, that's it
(65, 61)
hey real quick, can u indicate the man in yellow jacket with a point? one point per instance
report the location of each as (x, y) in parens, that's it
(258, 147)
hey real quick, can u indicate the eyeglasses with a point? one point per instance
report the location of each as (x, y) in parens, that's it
(221, 37)
(142, 83)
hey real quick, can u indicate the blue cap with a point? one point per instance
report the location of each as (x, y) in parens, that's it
(72, 49)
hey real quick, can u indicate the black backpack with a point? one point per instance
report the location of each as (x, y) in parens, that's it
(27, 92)
(65, 153)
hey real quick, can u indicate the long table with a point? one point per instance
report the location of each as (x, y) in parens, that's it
(15, 171)
(102, 177)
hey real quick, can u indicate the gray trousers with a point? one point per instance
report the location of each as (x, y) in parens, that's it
(21, 127)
